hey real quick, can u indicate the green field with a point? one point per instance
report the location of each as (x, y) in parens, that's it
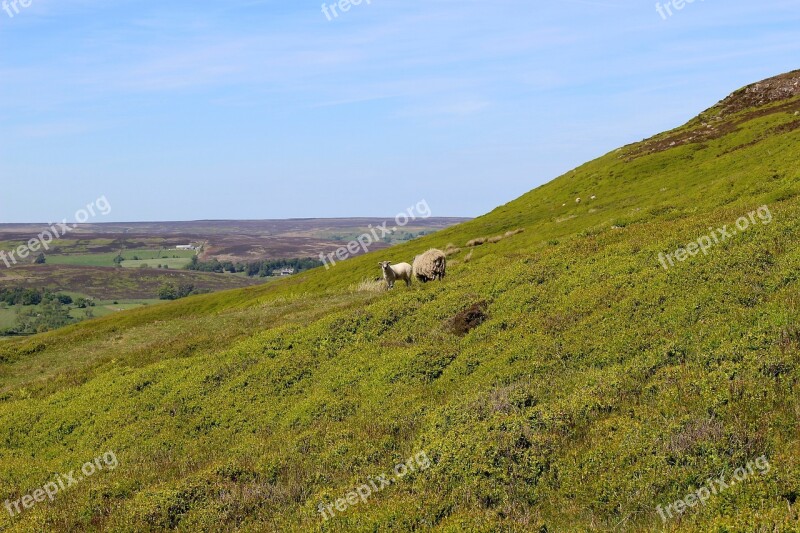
(173, 258)
(587, 385)
(8, 317)
(153, 263)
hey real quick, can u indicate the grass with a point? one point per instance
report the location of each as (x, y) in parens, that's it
(173, 263)
(8, 317)
(173, 258)
(105, 308)
(586, 386)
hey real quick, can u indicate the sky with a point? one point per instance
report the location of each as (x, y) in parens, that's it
(257, 109)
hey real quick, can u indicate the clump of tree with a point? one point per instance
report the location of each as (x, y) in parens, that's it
(52, 314)
(40, 310)
(253, 268)
(170, 291)
(40, 259)
(30, 296)
(21, 296)
(84, 303)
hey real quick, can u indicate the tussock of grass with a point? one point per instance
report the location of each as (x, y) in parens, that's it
(493, 240)
(370, 285)
(451, 249)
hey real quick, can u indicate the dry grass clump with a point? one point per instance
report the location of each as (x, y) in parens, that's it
(451, 249)
(695, 433)
(492, 240)
(369, 285)
(468, 257)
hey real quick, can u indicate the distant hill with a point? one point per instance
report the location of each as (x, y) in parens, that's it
(234, 240)
(634, 346)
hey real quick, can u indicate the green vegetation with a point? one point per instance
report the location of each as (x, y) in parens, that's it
(8, 318)
(394, 237)
(559, 379)
(129, 258)
(253, 268)
(51, 314)
(37, 310)
(170, 291)
(104, 283)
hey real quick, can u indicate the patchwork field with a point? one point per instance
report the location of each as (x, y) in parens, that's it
(103, 283)
(132, 258)
(133, 262)
(98, 244)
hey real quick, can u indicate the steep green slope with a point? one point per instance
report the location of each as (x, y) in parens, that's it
(598, 387)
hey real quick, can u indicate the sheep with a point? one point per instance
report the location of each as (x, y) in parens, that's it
(577, 200)
(432, 265)
(392, 273)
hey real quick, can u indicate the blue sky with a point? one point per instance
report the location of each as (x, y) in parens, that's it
(183, 110)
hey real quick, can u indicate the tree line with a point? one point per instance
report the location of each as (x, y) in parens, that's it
(40, 310)
(253, 268)
(33, 296)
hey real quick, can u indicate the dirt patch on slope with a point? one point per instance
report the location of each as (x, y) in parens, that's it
(469, 319)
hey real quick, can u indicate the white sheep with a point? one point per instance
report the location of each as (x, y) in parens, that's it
(577, 200)
(392, 273)
(430, 266)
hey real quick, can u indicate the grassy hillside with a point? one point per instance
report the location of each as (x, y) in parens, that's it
(588, 386)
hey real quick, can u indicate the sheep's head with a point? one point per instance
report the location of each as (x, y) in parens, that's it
(385, 265)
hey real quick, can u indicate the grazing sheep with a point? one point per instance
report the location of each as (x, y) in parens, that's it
(392, 273)
(431, 265)
(577, 200)
(593, 197)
